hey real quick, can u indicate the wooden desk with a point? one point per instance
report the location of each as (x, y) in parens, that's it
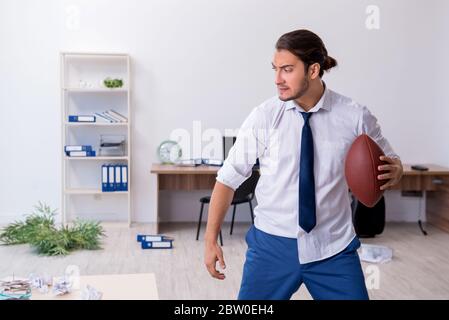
(435, 187)
(170, 177)
(435, 180)
(431, 180)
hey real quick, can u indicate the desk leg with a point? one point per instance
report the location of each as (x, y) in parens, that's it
(424, 195)
(157, 203)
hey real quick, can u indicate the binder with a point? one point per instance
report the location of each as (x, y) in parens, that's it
(111, 115)
(152, 238)
(118, 115)
(105, 115)
(189, 162)
(124, 169)
(111, 178)
(101, 118)
(104, 178)
(118, 177)
(77, 148)
(212, 162)
(90, 153)
(157, 244)
(76, 118)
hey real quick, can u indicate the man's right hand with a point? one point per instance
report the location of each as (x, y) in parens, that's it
(220, 201)
(212, 254)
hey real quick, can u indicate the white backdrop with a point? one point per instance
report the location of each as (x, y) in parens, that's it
(209, 61)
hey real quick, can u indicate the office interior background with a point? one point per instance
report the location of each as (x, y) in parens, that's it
(204, 65)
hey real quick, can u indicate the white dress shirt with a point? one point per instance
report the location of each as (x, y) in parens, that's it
(272, 133)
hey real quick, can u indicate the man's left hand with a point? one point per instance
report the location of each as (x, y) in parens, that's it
(394, 174)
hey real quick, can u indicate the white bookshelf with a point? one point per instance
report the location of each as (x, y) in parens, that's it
(74, 124)
(95, 90)
(97, 158)
(83, 93)
(92, 191)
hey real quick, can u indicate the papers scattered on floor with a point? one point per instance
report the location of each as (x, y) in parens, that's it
(375, 253)
(90, 293)
(62, 285)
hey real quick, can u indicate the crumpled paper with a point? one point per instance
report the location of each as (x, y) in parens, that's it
(62, 285)
(90, 293)
(40, 282)
(375, 253)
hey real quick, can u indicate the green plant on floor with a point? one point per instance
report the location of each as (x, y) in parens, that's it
(40, 232)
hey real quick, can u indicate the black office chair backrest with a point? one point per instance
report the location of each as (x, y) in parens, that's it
(228, 142)
(368, 222)
(248, 187)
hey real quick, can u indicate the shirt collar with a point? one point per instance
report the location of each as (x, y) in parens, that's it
(323, 103)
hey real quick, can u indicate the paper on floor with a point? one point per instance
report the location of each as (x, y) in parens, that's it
(375, 254)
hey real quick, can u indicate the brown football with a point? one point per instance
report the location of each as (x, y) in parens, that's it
(361, 170)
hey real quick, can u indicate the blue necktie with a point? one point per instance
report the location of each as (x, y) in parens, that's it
(307, 218)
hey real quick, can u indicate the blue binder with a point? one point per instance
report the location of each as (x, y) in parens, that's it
(124, 171)
(80, 118)
(90, 153)
(118, 177)
(168, 244)
(111, 178)
(104, 178)
(77, 148)
(152, 238)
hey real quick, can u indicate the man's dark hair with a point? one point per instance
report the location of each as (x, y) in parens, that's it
(308, 47)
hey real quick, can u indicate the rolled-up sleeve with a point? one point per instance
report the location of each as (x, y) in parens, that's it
(249, 145)
(369, 125)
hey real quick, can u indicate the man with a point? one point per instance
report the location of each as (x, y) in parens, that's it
(303, 230)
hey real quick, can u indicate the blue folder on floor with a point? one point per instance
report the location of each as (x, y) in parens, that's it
(167, 244)
(150, 237)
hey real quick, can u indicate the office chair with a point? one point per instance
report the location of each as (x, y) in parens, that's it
(368, 222)
(243, 194)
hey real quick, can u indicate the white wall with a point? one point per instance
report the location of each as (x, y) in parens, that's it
(439, 68)
(210, 61)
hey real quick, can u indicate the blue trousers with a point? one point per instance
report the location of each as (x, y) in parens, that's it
(272, 271)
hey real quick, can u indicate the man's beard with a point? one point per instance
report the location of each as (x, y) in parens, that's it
(303, 89)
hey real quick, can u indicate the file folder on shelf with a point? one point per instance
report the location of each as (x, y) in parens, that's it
(104, 178)
(118, 177)
(124, 170)
(212, 162)
(111, 178)
(100, 118)
(107, 116)
(117, 115)
(114, 177)
(77, 148)
(90, 153)
(76, 118)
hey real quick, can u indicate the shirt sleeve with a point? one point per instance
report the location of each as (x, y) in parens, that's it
(369, 125)
(249, 145)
